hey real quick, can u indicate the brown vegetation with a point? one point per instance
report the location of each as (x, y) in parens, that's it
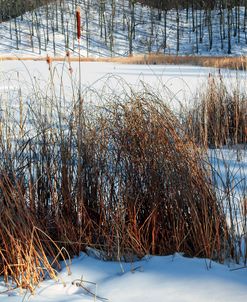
(238, 63)
(124, 178)
(220, 117)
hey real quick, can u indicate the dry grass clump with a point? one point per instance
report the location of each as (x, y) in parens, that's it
(220, 116)
(23, 254)
(158, 196)
(124, 178)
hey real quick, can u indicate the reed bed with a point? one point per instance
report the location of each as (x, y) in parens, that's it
(124, 178)
(237, 63)
(217, 123)
(24, 257)
(219, 118)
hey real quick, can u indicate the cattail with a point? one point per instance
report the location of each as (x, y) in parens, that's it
(78, 22)
(49, 60)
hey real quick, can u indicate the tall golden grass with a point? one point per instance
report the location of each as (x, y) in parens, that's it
(238, 63)
(220, 116)
(24, 255)
(125, 178)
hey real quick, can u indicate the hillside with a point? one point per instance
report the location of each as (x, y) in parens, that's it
(122, 28)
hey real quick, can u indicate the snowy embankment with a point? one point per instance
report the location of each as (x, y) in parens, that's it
(169, 279)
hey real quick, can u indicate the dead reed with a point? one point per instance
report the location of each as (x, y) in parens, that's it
(124, 178)
(238, 63)
(220, 116)
(159, 195)
(23, 254)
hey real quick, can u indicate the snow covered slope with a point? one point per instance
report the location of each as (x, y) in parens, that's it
(117, 28)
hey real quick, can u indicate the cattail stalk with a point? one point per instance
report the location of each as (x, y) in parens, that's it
(80, 104)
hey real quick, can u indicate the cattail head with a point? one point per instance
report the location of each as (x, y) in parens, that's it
(49, 60)
(78, 22)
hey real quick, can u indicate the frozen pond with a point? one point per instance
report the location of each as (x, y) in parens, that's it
(176, 84)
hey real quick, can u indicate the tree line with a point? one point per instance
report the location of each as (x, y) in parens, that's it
(198, 4)
(230, 20)
(13, 8)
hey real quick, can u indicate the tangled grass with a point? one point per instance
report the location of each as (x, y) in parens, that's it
(124, 177)
(219, 118)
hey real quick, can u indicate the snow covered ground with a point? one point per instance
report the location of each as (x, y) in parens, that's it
(107, 31)
(166, 279)
(176, 84)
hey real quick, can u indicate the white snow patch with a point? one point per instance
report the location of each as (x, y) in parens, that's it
(168, 278)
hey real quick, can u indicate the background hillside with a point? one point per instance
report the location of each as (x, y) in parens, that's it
(122, 28)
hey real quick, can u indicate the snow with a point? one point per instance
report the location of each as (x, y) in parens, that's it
(231, 165)
(176, 84)
(52, 30)
(229, 170)
(168, 278)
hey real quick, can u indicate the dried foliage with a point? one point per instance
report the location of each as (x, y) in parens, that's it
(237, 63)
(123, 178)
(158, 189)
(23, 253)
(220, 117)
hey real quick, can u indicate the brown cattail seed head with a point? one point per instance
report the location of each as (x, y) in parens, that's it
(48, 60)
(78, 22)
